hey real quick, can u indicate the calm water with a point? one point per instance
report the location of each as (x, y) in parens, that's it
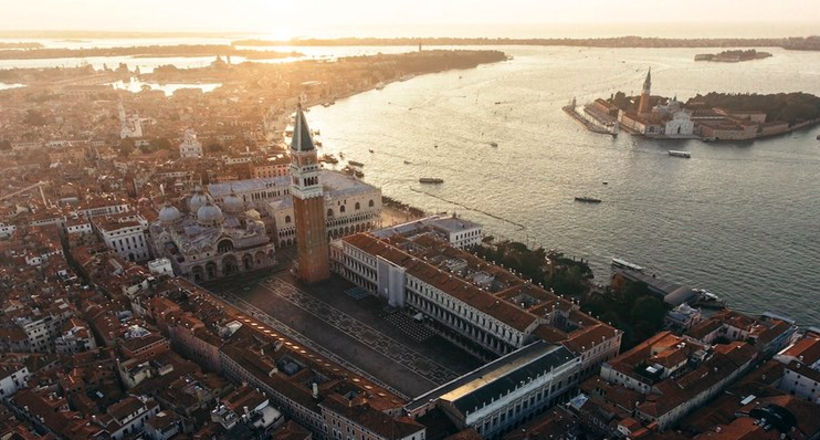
(738, 219)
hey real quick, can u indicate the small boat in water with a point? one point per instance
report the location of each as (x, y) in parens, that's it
(494, 144)
(328, 158)
(407, 162)
(433, 180)
(623, 264)
(355, 163)
(587, 199)
(818, 137)
(605, 182)
(678, 153)
(371, 150)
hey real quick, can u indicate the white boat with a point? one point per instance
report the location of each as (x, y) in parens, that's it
(678, 153)
(623, 264)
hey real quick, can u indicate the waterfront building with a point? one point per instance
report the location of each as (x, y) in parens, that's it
(503, 394)
(459, 232)
(801, 376)
(209, 243)
(308, 205)
(190, 148)
(351, 206)
(769, 333)
(485, 309)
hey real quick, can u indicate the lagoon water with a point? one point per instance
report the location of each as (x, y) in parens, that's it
(739, 219)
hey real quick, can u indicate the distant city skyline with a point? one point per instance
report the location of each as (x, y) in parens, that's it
(325, 18)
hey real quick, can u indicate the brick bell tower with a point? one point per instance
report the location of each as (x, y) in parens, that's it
(313, 256)
(645, 105)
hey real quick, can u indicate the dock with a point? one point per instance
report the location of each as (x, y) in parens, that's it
(570, 110)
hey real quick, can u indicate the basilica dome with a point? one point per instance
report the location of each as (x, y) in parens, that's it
(209, 214)
(198, 199)
(233, 204)
(169, 214)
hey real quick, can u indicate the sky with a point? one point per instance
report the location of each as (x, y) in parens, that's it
(401, 17)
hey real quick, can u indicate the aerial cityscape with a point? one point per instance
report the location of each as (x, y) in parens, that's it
(432, 221)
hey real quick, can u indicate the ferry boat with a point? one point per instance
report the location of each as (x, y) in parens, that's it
(623, 264)
(678, 153)
(433, 180)
(587, 199)
(355, 163)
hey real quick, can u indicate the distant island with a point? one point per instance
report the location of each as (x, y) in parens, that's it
(25, 45)
(790, 43)
(181, 50)
(711, 117)
(732, 56)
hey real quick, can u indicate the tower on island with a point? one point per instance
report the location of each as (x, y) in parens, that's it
(646, 92)
(313, 256)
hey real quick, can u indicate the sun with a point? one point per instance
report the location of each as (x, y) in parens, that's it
(282, 34)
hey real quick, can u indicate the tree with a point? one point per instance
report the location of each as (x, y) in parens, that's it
(126, 147)
(649, 309)
(162, 144)
(215, 148)
(34, 118)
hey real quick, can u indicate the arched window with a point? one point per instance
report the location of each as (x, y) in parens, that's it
(358, 207)
(342, 209)
(287, 219)
(225, 246)
(330, 213)
(371, 204)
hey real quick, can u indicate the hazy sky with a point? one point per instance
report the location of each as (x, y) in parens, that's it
(311, 17)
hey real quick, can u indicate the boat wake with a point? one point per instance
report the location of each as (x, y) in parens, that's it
(469, 208)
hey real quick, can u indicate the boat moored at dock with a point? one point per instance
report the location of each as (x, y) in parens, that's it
(623, 264)
(432, 180)
(678, 153)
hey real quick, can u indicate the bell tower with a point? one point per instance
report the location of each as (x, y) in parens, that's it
(313, 255)
(646, 93)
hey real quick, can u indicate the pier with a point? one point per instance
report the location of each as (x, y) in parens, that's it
(589, 125)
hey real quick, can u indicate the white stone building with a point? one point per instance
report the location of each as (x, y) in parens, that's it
(161, 266)
(505, 393)
(681, 125)
(13, 376)
(459, 232)
(190, 146)
(351, 206)
(126, 234)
